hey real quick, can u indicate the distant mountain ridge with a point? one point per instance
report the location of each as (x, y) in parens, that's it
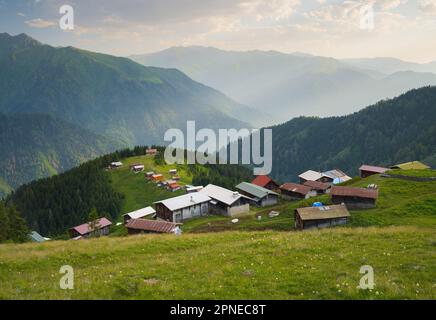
(62, 106)
(291, 85)
(37, 146)
(108, 95)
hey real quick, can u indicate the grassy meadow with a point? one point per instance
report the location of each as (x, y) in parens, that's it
(252, 259)
(229, 265)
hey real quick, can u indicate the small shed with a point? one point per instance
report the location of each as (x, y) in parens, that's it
(173, 171)
(191, 189)
(137, 167)
(354, 198)
(116, 164)
(368, 170)
(294, 191)
(151, 152)
(173, 186)
(157, 177)
(318, 187)
(334, 176)
(259, 196)
(265, 182)
(36, 237)
(321, 217)
(139, 226)
(139, 214)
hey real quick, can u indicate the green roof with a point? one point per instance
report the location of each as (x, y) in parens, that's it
(413, 165)
(254, 190)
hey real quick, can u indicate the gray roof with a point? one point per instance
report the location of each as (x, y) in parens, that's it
(35, 236)
(254, 190)
(221, 194)
(185, 201)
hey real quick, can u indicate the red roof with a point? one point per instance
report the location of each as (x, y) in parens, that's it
(316, 185)
(151, 225)
(297, 188)
(262, 181)
(354, 192)
(373, 169)
(85, 228)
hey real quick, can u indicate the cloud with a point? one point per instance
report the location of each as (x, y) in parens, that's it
(21, 14)
(40, 23)
(427, 6)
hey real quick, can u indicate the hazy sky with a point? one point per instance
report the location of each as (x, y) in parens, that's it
(404, 29)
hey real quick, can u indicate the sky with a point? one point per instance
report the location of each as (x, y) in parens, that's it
(403, 29)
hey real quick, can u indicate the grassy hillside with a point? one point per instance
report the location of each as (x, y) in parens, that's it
(139, 192)
(236, 265)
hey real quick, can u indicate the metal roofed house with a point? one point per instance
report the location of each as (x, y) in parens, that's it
(36, 237)
(183, 207)
(354, 198)
(334, 176)
(226, 202)
(413, 165)
(259, 196)
(321, 217)
(265, 182)
(151, 151)
(85, 231)
(138, 226)
(138, 214)
(294, 191)
(368, 170)
(310, 175)
(318, 187)
(116, 164)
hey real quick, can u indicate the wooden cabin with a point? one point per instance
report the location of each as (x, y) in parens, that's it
(354, 198)
(259, 196)
(321, 217)
(85, 230)
(318, 187)
(266, 182)
(151, 152)
(368, 170)
(294, 191)
(139, 214)
(184, 207)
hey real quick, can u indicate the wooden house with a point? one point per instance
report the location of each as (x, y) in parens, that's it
(321, 217)
(139, 214)
(318, 187)
(137, 167)
(367, 170)
(354, 198)
(293, 191)
(259, 196)
(335, 176)
(173, 186)
(265, 182)
(226, 202)
(139, 226)
(183, 207)
(157, 178)
(116, 164)
(85, 230)
(151, 152)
